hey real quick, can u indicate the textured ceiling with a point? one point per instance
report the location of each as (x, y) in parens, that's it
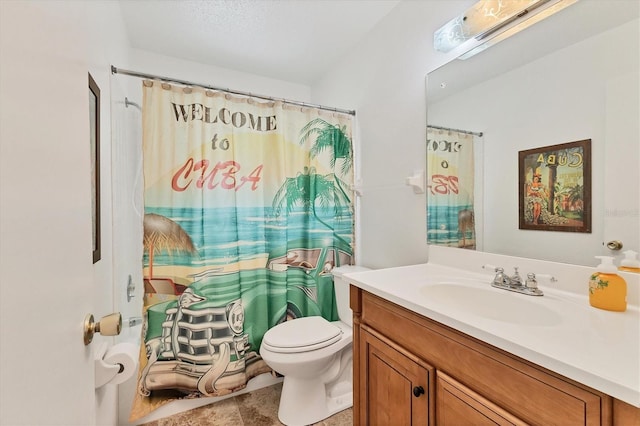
(291, 40)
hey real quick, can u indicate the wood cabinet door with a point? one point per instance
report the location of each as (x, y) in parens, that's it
(457, 405)
(395, 385)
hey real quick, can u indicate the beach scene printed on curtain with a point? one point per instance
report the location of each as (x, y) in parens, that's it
(248, 208)
(450, 213)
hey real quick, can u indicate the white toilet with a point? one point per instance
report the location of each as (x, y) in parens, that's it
(315, 358)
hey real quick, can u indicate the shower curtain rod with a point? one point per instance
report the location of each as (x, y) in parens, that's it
(115, 70)
(457, 130)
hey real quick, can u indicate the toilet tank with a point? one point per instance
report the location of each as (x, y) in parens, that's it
(342, 291)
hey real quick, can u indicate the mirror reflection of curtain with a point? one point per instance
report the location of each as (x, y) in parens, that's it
(450, 196)
(248, 208)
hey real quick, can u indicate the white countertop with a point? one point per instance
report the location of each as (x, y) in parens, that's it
(559, 331)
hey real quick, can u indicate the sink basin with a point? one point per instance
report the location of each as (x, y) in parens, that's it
(490, 303)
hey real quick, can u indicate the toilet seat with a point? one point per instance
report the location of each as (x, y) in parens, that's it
(301, 335)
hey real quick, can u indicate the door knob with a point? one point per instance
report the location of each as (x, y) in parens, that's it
(417, 391)
(614, 245)
(109, 325)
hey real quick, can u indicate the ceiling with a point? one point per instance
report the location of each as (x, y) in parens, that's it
(292, 40)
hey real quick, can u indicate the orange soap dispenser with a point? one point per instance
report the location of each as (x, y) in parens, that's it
(607, 289)
(630, 263)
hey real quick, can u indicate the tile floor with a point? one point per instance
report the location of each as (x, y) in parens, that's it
(256, 408)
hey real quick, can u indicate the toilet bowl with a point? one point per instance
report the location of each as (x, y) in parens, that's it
(315, 357)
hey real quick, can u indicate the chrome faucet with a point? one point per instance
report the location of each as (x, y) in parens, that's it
(515, 283)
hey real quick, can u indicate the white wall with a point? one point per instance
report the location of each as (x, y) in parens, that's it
(164, 66)
(515, 114)
(383, 79)
(48, 281)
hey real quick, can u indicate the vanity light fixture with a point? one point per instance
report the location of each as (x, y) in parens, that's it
(488, 22)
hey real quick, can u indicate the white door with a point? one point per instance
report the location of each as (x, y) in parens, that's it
(622, 173)
(48, 281)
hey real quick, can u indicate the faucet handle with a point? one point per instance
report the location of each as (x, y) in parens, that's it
(531, 282)
(531, 285)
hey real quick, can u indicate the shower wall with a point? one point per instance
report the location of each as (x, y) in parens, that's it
(126, 196)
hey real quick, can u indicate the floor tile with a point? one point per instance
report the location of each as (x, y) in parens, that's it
(257, 408)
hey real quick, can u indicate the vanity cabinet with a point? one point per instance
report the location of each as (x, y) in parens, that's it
(396, 385)
(465, 380)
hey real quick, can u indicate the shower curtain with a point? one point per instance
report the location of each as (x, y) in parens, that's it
(248, 208)
(450, 214)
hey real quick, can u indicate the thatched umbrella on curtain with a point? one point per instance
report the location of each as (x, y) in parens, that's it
(163, 234)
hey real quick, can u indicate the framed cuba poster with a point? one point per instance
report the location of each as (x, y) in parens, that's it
(555, 187)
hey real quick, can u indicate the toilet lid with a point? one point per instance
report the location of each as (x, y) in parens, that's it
(302, 334)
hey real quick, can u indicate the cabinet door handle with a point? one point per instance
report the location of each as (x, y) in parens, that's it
(417, 391)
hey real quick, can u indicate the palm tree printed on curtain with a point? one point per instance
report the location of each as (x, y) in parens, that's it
(309, 188)
(330, 137)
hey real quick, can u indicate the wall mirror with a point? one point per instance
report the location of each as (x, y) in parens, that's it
(572, 77)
